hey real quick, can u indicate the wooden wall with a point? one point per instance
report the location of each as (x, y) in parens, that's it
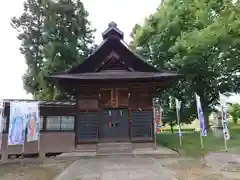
(139, 104)
(113, 98)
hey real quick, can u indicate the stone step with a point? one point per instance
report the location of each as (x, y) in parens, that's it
(114, 144)
(87, 150)
(114, 154)
(115, 147)
(118, 148)
(115, 151)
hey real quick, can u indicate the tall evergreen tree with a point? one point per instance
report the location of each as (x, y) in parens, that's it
(30, 26)
(65, 39)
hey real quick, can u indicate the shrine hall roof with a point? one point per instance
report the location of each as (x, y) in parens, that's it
(113, 43)
(114, 75)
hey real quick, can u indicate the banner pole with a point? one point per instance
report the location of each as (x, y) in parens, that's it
(179, 127)
(25, 127)
(39, 127)
(2, 107)
(200, 116)
(226, 146)
(202, 147)
(224, 126)
(178, 105)
(154, 123)
(22, 153)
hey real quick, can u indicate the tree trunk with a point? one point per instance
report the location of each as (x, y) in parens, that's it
(235, 120)
(171, 125)
(206, 120)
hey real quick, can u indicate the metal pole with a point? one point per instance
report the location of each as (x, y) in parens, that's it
(179, 126)
(22, 152)
(224, 126)
(39, 127)
(2, 107)
(202, 148)
(154, 124)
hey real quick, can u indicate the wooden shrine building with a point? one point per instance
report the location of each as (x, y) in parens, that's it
(114, 90)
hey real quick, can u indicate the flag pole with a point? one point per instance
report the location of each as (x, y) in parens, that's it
(226, 146)
(224, 128)
(226, 134)
(180, 133)
(39, 125)
(202, 148)
(23, 145)
(200, 116)
(178, 120)
(2, 107)
(154, 123)
(201, 141)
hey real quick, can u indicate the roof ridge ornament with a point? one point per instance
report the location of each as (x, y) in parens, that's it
(112, 30)
(112, 24)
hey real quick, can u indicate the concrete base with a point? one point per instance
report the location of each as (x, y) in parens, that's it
(4, 157)
(42, 155)
(117, 168)
(160, 152)
(217, 131)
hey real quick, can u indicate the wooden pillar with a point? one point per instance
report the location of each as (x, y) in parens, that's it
(130, 124)
(76, 118)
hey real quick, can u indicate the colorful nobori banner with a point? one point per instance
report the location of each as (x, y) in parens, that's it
(178, 107)
(224, 110)
(226, 133)
(23, 115)
(17, 123)
(157, 117)
(33, 121)
(200, 116)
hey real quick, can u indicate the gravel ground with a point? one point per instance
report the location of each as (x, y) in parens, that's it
(217, 166)
(45, 169)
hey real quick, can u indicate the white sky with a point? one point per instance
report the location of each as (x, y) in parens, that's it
(126, 13)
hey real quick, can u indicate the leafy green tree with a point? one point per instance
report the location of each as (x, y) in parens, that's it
(234, 111)
(199, 39)
(62, 37)
(169, 116)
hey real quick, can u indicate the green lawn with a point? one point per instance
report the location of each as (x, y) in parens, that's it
(191, 142)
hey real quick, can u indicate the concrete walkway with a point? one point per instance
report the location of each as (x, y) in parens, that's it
(116, 168)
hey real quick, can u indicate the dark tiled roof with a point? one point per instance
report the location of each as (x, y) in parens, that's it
(114, 75)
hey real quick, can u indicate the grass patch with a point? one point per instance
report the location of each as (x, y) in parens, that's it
(176, 130)
(191, 142)
(234, 127)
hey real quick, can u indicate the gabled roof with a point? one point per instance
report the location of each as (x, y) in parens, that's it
(113, 41)
(135, 66)
(114, 75)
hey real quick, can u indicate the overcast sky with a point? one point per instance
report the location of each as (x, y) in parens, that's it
(126, 13)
